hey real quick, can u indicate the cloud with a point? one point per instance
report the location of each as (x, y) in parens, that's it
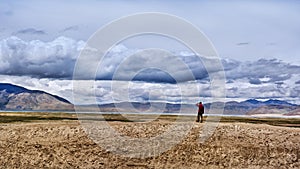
(187, 92)
(295, 93)
(271, 44)
(154, 65)
(150, 65)
(280, 21)
(263, 70)
(45, 64)
(56, 59)
(58, 87)
(30, 31)
(152, 74)
(70, 28)
(39, 59)
(254, 81)
(242, 43)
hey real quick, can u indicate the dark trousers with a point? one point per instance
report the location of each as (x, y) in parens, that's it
(200, 114)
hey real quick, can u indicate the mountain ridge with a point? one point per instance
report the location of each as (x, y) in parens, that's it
(230, 108)
(14, 97)
(11, 88)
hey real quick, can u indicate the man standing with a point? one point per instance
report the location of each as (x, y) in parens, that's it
(200, 111)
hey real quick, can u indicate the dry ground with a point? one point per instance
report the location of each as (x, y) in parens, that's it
(64, 144)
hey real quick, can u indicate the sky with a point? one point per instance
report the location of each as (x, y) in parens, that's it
(257, 42)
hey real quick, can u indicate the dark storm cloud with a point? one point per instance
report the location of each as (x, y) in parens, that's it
(298, 82)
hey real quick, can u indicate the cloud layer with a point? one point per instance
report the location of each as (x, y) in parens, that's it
(39, 59)
(56, 59)
(51, 64)
(31, 31)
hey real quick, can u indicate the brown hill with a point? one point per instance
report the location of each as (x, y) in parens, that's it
(295, 112)
(14, 97)
(271, 109)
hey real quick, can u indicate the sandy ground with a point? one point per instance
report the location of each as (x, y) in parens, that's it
(64, 144)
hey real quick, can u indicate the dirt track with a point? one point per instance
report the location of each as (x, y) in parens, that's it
(63, 144)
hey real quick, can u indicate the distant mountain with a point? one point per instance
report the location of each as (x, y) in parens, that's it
(252, 101)
(295, 112)
(247, 107)
(253, 106)
(139, 107)
(272, 106)
(272, 109)
(13, 97)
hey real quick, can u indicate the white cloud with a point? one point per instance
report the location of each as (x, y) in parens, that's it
(30, 31)
(189, 92)
(226, 23)
(49, 66)
(36, 58)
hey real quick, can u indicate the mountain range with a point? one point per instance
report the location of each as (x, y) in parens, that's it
(14, 97)
(248, 107)
(17, 98)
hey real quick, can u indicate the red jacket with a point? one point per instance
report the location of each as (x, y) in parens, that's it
(200, 108)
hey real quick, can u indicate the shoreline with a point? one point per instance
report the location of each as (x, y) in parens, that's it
(149, 113)
(28, 117)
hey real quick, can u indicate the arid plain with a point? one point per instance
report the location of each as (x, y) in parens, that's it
(44, 140)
